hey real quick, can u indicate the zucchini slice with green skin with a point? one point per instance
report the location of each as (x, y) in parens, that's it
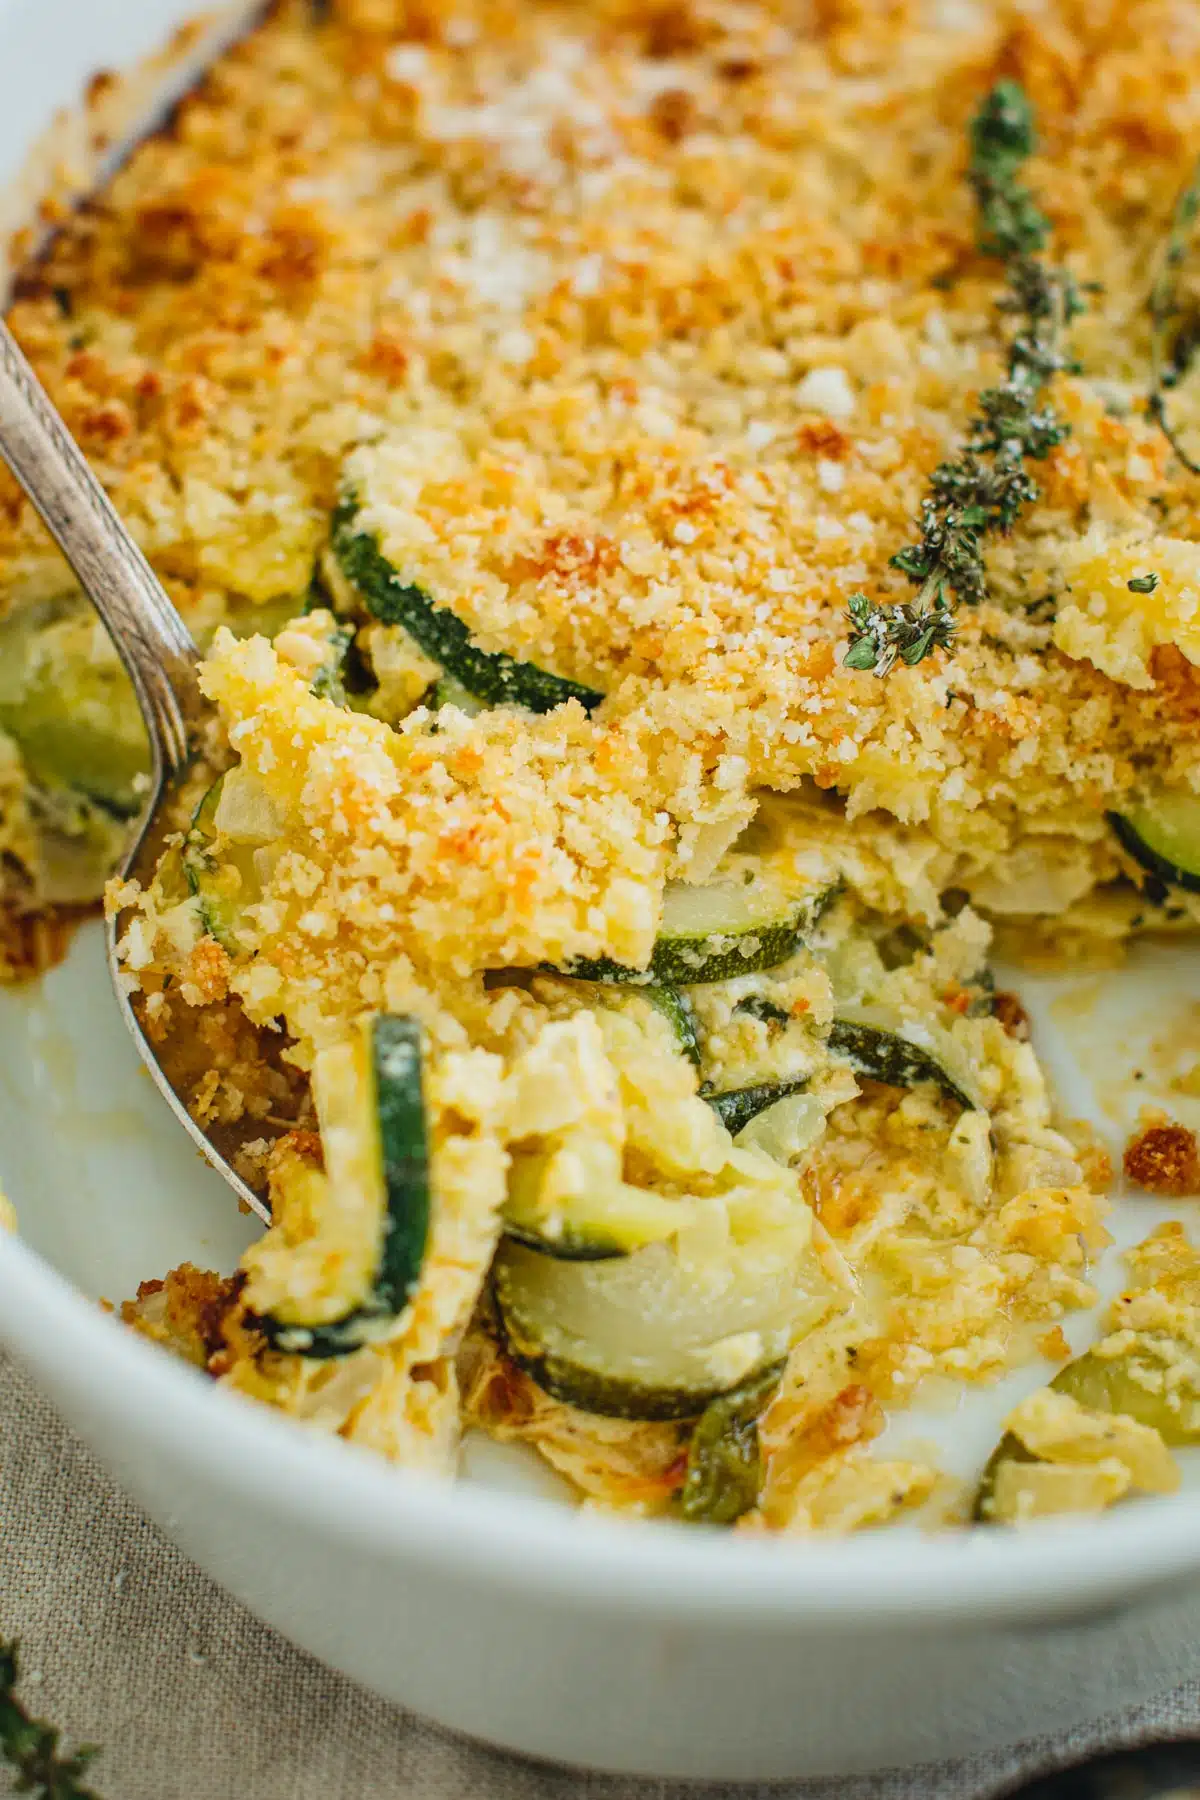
(1163, 835)
(884, 1047)
(79, 844)
(446, 691)
(674, 1007)
(1010, 1449)
(652, 997)
(75, 719)
(1111, 1384)
(605, 1220)
(223, 880)
(724, 1463)
(491, 677)
(639, 1337)
(592, 1213)
(739, 1106)
(373, 1129)
(328, 683)
(571, 1244)
(213, 887)
(714, 930)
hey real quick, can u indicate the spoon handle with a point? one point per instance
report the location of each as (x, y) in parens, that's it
(153, 641)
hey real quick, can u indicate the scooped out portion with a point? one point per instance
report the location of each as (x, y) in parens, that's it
(529, 1179)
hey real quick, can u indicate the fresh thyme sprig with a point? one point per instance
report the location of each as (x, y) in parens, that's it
(30, 1746)
(986, 486)
(1174, 328)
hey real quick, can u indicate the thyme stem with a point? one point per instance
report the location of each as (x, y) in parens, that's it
(30, 1745)
(987, 485)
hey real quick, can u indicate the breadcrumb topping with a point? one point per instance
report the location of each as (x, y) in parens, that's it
(648, 345)
(1164, 1158)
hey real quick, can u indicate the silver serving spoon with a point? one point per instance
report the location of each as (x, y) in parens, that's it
(152, 639)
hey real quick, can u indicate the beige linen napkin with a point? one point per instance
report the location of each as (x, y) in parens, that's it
(125, 1644)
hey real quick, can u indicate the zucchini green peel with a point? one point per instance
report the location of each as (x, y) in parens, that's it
(395, 1112)
(1109, 1384)
(724, 1465)
(489, 676)
(1163, 835)
(716, 931)
(886, 1054)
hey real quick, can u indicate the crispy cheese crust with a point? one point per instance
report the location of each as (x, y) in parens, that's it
(664, 328)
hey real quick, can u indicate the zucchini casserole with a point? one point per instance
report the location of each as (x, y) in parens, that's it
(692, 513)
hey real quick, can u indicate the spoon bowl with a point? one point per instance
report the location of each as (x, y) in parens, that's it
(153, 642)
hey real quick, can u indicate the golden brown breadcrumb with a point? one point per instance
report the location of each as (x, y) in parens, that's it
(188, 1312)
(1165, 1158)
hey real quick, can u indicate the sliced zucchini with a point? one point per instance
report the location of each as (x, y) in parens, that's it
(724, 1465)
(786, 1130)
(73, 714)
(219, 866)
(739, 1106)
(672, 1005)
(78, 845)
(732, 925)
(373, 1208)
(568, 1197)
(328, 683)
(491, 677)
(883, 1046)
(643, 1336)
(572, 1203)
(1137, 1383)
(1163, 835)
(267, 619)
(757, 1006)
(653, 997)
(1134, 1383)
(446, 691)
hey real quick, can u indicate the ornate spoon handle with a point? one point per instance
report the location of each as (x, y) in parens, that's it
(152, 639)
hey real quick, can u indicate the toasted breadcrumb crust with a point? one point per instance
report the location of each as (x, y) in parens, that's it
(648, 403)
(636, 332)
(186, 1313)
(1164, 1158)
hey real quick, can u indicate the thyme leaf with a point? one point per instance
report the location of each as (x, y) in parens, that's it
(1002, 138)
(1174, 328)
(1142, 584)
(986, 486)
(882, 634)
(30, 1746)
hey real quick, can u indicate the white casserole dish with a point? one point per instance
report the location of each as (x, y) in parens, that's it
(648, 1649)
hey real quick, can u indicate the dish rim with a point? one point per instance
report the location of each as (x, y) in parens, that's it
(1048, 1573)
(1044, 1574)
